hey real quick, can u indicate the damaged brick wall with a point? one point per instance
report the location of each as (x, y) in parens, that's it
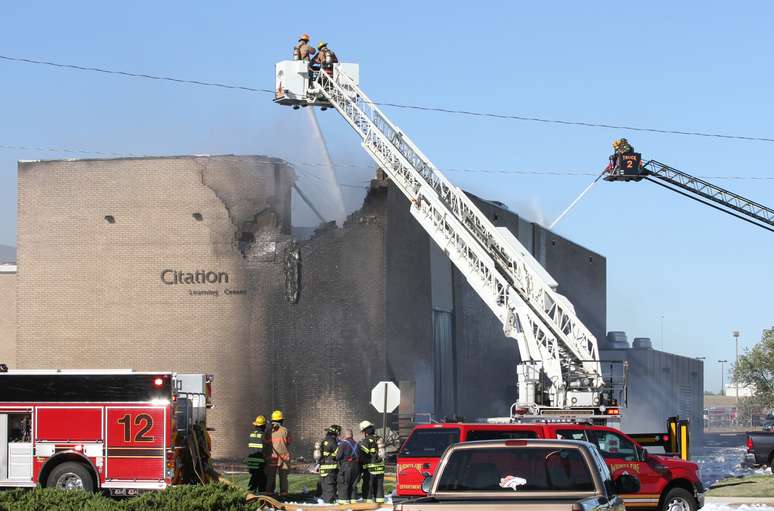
(92, 293)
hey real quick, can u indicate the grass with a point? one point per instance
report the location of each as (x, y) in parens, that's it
(299, 482)
(749, 486)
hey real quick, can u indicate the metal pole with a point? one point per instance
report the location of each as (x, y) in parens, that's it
(384, 417)
(736, 365)
(722, 377)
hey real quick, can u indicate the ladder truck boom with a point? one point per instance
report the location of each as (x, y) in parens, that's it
(621, 169)
(560, 365)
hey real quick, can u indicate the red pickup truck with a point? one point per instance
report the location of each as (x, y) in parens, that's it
(665, 482)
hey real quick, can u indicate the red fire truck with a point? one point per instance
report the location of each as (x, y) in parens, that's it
(117, 430)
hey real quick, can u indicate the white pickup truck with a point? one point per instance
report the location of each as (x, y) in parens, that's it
(543, 475)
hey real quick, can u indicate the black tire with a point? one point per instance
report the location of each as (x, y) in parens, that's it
(678, 499)
(71, 475)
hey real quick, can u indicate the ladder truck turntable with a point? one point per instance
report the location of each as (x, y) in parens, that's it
(117, 430)
(560, 370)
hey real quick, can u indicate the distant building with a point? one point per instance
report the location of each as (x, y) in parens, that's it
(8, 314)
(660, 385)
(744, 391)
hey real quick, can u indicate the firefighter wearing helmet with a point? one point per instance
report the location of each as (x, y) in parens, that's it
(325, 57)
(624, 161)
(256, 460)
(279, 465)
(372, 453)
(303, 50)
(326, 453)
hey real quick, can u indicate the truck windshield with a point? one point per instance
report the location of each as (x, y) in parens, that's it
(516, 470)
(429, 443)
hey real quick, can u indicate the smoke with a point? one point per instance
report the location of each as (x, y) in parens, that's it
(530, 210)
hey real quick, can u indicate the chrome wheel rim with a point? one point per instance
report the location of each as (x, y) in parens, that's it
(678, 504)
(69, 481)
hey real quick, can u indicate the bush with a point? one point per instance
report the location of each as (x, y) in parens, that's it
(213, 497)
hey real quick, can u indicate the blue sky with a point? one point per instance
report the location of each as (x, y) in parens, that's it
(700, 66)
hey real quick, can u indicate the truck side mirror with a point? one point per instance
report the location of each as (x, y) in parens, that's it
(627, 483)
(427, 483)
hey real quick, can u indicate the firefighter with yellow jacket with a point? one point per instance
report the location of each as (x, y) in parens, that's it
(372, 453)
(325, 454)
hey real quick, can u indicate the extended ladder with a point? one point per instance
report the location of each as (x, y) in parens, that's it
(706, 192)
(560, 360)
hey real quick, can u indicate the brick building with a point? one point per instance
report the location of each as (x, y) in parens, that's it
(8, 314)
(189, 264)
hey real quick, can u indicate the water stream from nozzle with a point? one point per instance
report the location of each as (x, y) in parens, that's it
(328, 181)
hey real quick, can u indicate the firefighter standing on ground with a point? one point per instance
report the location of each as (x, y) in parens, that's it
(280, 455)
(325, 453)
(349, 468)
(256, 460)
(372, 461)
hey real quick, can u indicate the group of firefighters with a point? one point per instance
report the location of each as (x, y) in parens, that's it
(320, 58)
(341, 461)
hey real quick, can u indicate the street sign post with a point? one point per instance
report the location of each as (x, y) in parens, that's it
(385, 397)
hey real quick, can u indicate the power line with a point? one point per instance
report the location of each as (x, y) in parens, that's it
(133, 75)
(361, 166)
(409, 107)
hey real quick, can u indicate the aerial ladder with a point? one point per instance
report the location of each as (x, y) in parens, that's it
(560, 368)
(627, 165)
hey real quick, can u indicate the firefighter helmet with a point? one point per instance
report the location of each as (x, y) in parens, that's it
(276, 415)
(335, 429)
(365, 424)
(321, 45)
(259, 421)
(304, 37)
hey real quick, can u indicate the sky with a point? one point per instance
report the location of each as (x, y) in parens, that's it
(691, 66)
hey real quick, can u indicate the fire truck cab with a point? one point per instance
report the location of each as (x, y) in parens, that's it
(120, 430)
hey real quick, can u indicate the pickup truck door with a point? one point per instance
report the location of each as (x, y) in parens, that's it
(621, 455)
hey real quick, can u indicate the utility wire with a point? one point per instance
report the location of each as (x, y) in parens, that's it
(134, 75)
(398, 105)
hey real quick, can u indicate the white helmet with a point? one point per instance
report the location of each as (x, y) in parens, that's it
(365, 424)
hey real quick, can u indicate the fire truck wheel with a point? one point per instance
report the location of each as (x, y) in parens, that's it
(678, 499)
(71, 475)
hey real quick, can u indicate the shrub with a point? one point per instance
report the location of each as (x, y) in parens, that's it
(213, 497)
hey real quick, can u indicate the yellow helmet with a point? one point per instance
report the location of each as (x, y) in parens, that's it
(321, 45)
(259, 421)
(304, 37)
(617, 143)
(276, 415)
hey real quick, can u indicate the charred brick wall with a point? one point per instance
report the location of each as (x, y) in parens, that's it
(100, 242)
(306, 326)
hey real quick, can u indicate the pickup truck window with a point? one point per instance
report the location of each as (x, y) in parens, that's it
(572, 434)
(429, 443)
(499, 434)
(613, 445)
(523, 469)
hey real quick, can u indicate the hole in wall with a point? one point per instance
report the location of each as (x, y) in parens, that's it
(198, 217)
(553, 243)
(110, 219)
(591, 259)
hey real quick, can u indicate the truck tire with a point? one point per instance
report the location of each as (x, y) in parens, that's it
(71, 475)
(678, 499)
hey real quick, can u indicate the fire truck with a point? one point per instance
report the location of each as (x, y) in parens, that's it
(121, 431)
